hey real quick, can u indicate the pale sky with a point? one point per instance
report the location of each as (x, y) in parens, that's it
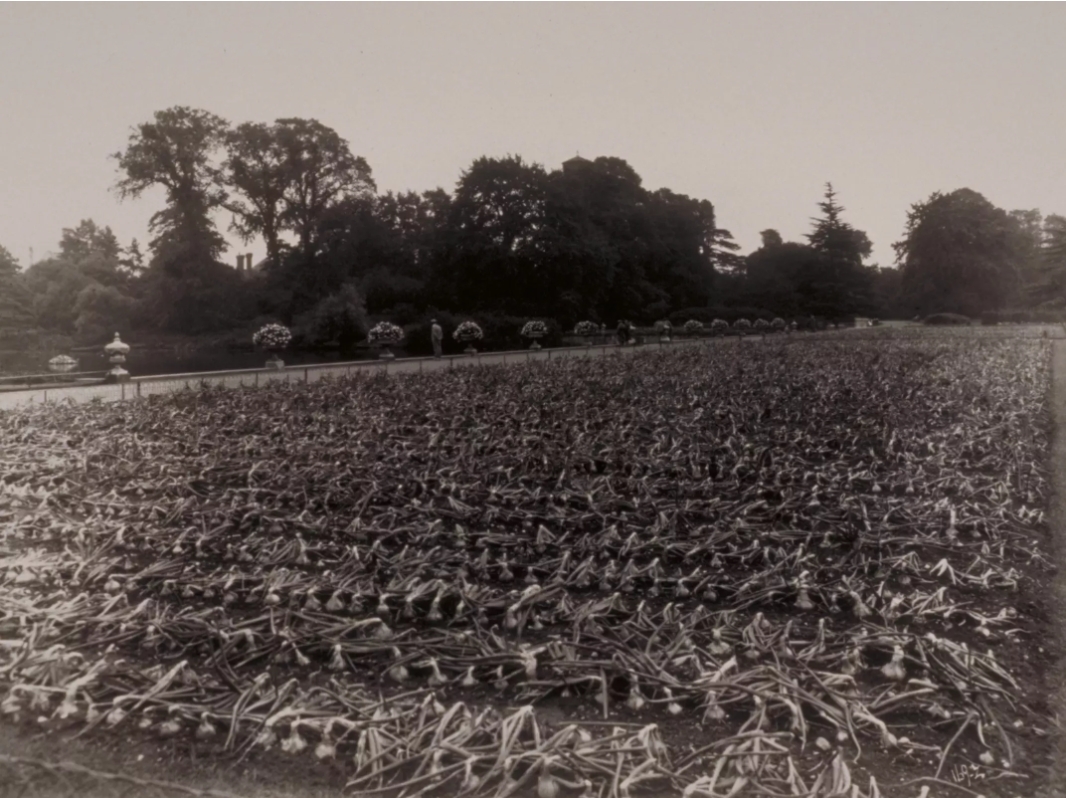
(750, 105)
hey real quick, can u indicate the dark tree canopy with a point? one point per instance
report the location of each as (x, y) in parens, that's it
(257, 171)
(1046, 283)
(16, 302)
(9, 265)
(319, 171)
(771, 238)
(960, 254)
(842, 284)
(89, 240)
(494, 253)
(512, 240)
(176, 151)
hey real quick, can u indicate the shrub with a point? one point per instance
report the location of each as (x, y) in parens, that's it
(100, 310)
(702, 314)
(762, 325)
(719, 326)
(946, 318)
(778, 324)
(340, 318)
(742, 324)
(692, 327)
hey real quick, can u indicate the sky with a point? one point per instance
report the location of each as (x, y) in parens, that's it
(753, 106)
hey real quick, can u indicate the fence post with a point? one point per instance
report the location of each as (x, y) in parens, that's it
(45, 399)
(122, 385)
(257, 379)
(305, 376)
(138, 388)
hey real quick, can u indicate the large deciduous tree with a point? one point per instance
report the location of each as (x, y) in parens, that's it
(176, 151)
(496, 218)
(960, 254)
(186, 288)
(785, 278)
(257, 170)
(319, 172)
(611, 248)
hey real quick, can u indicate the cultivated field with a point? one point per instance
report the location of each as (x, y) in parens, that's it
(792, 568)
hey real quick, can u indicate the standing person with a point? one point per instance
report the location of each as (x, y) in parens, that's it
(623, 333)
(437, 335)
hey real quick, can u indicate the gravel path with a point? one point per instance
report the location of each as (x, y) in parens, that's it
(1056, 782)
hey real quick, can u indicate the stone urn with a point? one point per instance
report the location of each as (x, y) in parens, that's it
(116, 352)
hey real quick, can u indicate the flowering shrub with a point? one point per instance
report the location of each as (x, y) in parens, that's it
(586, 328)
(778, 324)
(272, 336)
(742, 324)
(468, 331)
(534, 329)
(762, 325)
(719, 326)
(692, 326)
(385, 332)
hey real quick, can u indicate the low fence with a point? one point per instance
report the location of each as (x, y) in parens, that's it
(138, 387)
(22, 382)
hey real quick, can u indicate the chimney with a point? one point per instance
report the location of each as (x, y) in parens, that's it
(248, 261)
(240, 263)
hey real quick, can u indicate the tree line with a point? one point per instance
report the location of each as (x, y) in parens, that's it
(512, 240)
